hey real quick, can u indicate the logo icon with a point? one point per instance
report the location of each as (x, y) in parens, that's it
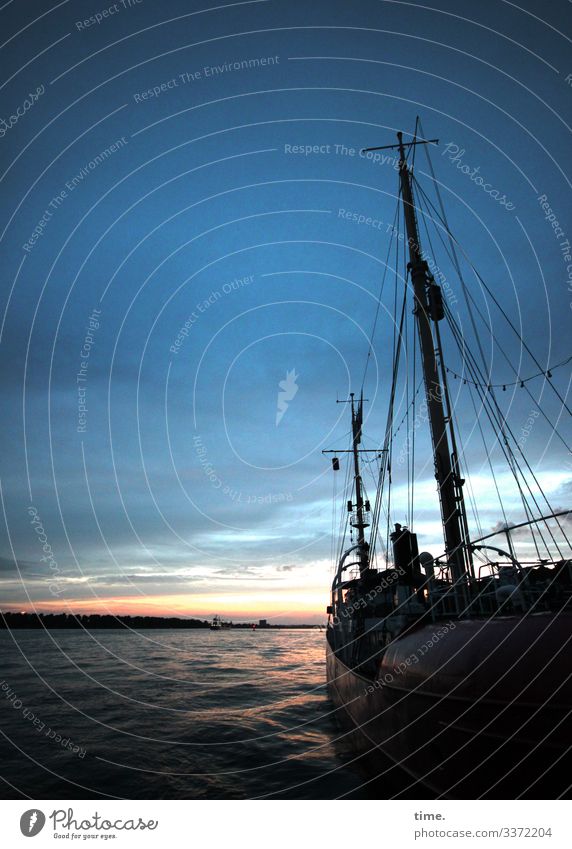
(288, 388)
(32, 822)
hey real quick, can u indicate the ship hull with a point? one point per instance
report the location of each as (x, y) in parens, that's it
(473, 709)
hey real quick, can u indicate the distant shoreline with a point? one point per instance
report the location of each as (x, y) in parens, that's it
(68, 621)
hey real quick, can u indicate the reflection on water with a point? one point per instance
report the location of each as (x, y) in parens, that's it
(173, 714)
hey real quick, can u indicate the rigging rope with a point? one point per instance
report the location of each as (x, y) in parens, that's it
(519, 381)
(501, 419)
(475, 378)
(522, 381)
(497, 304)
(370, 347)
(490, 404)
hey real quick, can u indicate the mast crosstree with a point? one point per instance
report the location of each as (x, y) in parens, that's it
(361, 507)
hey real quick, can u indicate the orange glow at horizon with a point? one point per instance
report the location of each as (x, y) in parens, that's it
(286, 605)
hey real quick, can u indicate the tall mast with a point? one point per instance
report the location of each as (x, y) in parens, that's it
(359, 523)
(448, 482)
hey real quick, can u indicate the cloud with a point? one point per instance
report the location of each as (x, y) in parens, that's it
(8, 566)
(524, 530)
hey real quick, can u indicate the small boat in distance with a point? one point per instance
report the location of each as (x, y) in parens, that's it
(218, 623)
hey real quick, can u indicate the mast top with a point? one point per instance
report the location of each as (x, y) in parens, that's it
(401, 143)
(350, 400)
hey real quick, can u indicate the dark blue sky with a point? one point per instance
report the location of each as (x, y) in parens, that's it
(183, 170)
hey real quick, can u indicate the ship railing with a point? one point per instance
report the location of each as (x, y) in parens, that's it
(520, 589)
(342, 566)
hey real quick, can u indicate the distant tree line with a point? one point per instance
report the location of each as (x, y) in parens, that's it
(97, 620)
(94, 620)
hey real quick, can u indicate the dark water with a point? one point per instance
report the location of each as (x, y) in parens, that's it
(173, 714)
